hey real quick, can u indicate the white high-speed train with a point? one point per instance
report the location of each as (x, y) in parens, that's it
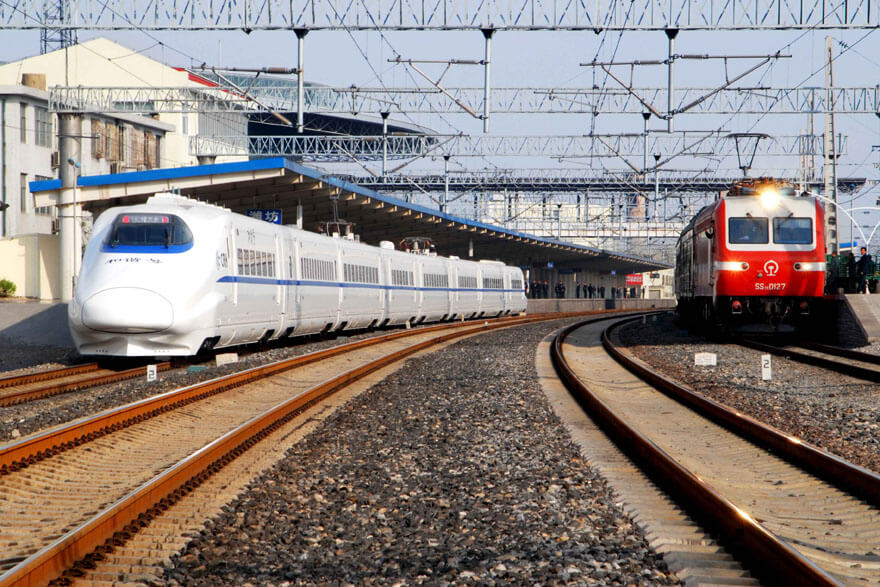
(175, 276)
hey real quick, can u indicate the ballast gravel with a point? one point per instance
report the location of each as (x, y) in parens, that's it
(837, 413)
(454, 470)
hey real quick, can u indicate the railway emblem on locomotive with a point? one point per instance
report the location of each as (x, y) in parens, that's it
(771, 268)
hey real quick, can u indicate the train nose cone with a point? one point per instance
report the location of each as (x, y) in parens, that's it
(127, 310)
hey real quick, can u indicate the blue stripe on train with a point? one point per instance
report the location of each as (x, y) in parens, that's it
(289, 282)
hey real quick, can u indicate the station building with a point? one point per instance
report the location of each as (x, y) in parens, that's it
(110, 144)
(123, 158)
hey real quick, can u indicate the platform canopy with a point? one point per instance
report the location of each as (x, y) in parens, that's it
(279, 184)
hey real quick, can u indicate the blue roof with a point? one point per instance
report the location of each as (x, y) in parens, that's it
(172, 173)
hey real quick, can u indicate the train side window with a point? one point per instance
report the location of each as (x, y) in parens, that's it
(793, 231)
(747, 231)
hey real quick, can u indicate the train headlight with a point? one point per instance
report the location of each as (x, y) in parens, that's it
(809, 266)
(769, 197)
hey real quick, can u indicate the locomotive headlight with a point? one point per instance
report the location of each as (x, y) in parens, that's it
(809, 266)
(769, 198)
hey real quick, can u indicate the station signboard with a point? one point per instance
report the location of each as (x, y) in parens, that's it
(634, 279)
(272, 215)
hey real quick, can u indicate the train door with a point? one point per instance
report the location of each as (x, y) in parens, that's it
(234, 261)
(454, 293)
(276, 272)
(294, 270)
(385, 263)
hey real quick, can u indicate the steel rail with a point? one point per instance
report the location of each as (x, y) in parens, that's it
(14, 380)
(844, 368)
(775, 557)
(139, 506)
(58, 388)
(24, 451)
(842, 352)
(829, 467)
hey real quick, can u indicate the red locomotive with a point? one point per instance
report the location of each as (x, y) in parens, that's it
(753, 260)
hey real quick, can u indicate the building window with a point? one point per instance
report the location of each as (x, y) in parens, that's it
(22, 124)
(112, 148)
(42, 126)
(99, 141)
(42, 210)
(23, 189)
(151, 147)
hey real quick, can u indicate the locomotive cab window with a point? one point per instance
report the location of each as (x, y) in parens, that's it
(747, 231)
(149, 230)
(793, 231)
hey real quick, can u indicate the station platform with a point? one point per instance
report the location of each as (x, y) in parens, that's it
(33, 323)
(865, 310)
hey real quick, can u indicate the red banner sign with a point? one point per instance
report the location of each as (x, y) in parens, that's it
(634, 279)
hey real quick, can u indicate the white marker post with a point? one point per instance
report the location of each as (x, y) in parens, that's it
(151, 373)
(705, 359)
(766, 374)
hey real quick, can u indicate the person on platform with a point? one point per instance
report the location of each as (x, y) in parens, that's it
(577, 289)
(831, 280)
(591, 290)
(862, 266)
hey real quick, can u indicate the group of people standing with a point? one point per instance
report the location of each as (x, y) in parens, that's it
(541, 289)
(849, 273)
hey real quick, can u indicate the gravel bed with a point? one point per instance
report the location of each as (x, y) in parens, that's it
(837, 413)
(24, 419)
(454, 470)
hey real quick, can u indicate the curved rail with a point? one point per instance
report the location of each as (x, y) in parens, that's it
(92, 377)
(774, 557)
(16, 380)
(135, 509)
(857, 371)
(823, 464)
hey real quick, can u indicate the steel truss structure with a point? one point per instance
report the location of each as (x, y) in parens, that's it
(631, 148)
(556, 181)
(755, 100)
(600, 15)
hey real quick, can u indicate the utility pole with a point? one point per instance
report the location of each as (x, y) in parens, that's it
(69, 135)
(385, 115)
(670, 34)
(300, 62)
(446, 184)
(831, 233)
(487, 35)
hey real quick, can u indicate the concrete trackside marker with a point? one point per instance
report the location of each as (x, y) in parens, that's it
(226, 358)
(766, 374)
(151, 373)
(705, 359)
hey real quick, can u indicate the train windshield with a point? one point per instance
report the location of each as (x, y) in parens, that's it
(747, 231)
(793, 231)
(149, 230)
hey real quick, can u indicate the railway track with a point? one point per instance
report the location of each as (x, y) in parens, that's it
(99, 479)
(796, 514)
(19, 389)
(856, 364)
